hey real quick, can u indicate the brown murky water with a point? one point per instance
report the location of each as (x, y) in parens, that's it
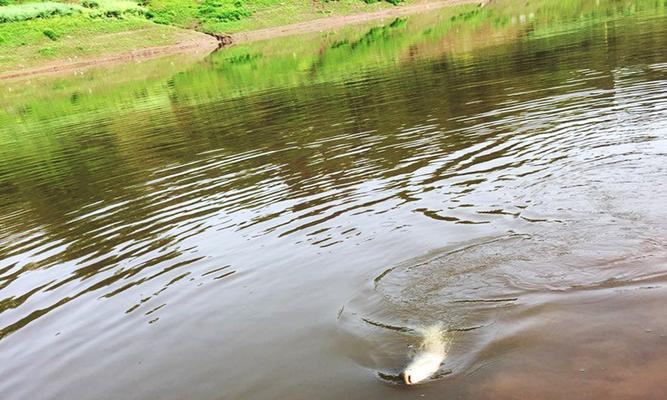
(267, 223)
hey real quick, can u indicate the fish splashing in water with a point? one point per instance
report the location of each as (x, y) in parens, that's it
(429, 357)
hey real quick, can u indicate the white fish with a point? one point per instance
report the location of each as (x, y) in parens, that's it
(429, 357)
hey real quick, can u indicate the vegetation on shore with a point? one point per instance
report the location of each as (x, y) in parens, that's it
(33, 32)
(34, 42)
(229, 16)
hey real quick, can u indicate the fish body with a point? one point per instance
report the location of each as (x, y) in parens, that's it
(429, 357)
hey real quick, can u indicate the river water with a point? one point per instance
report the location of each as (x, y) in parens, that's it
(271, 222)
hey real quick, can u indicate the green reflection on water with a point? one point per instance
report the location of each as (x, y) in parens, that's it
(459, 33)
(71, 141)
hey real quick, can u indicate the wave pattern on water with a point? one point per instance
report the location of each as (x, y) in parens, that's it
(556, 159)
(514, 143)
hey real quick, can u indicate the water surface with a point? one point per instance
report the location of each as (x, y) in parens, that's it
(271, 221)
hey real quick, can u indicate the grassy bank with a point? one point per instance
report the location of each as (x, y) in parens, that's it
(32, 43)
(230, 16)
(34, 34)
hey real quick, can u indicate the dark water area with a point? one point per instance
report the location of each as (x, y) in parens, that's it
(270, 222)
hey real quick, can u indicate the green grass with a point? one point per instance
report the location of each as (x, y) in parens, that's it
(114, 8)
(222, 10)
(269, 13)
(32, 33)
(228, 16)
(181, 13)
(37, 32)
(47, 9)
(30, 43)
